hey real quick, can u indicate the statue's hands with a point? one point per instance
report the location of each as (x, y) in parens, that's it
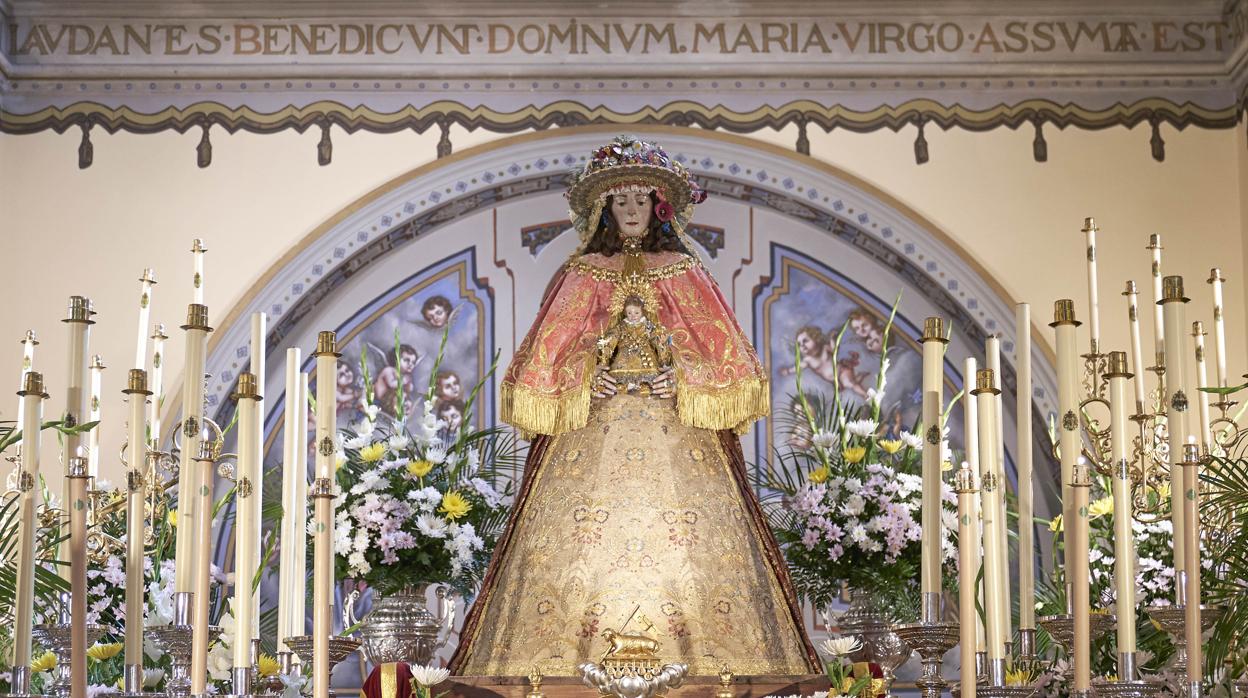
(604, 384)
(665, 385)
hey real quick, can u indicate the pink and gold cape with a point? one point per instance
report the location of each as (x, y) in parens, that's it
(720, 383)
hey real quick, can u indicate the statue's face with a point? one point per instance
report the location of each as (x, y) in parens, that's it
(632, 213)
(633, 313)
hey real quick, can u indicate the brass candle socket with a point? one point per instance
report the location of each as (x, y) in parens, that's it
(931, 641)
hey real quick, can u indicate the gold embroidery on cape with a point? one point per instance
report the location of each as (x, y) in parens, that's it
(666, 271)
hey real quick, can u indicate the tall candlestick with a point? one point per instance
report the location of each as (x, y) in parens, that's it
(1203, 436)
(1064, 325)
(28, 474)
(994, 567)
(76, 473)
(1174, 308)
(968, 571)
(323, 495)
(246, 522)
(28, 363)
(197, 281)
(1159, 332)
(291, 604)
(78, 322)
(93, 415)
(157, 384)
(1137, 352)
(1219, 325)
(147, 281)
(934, 341)
(1191, 577)
(970, 435)
(992, 351)
(136, 474)
(1094, 306)
(197, 330)
(1124, 538)
(1080, 580)
(1026, 496)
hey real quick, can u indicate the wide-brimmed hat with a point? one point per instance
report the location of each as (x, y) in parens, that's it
(629, 163)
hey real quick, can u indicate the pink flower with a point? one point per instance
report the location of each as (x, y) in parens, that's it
(664, 211)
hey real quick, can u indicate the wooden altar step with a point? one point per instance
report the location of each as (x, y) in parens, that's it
(571, 686)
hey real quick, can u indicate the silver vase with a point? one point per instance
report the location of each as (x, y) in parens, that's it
(400, 628)
(871, 623)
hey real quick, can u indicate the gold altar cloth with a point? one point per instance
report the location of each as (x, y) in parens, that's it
(636, 509)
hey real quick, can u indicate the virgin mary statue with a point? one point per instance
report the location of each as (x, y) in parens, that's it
(634, 507)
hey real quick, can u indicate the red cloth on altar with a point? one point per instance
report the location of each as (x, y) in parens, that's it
(389, 681)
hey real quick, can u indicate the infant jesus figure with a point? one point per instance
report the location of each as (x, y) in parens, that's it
(635, 350)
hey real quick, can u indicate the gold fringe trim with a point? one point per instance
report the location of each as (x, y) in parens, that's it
(736, 407)
(533, 412)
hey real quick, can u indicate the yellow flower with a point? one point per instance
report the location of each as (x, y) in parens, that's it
(419, 468)
(46, 662)
(373, 453)
(102, 653)
(946, 466)
(819, 475)
(267, 665)
(454, 505)
(1056, 524)
(854, 454)
(1101, 507)
(1018, 677)
(173, 518)
(891, 446)
(342, 460)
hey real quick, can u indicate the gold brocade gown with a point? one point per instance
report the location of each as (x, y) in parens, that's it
(636, 510)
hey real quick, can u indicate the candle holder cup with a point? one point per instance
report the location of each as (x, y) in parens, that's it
(1137, 688)
(1062, 629)
(56, 638)
(931, 640)
(1017, 691)
(175, 640)
(1172, 622)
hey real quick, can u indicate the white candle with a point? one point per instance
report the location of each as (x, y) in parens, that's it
(1219, 325)
(994, 529)
(1191, 580)
(968, 570)
(93, 415)
(79, 324)
(1064, 325)
(147, 281)
(28, 475)
(992, 351)
(1137, 351)
(293, 569)
(1174, 307)
(1204, 437)
(1094, 306)
(1159, 332)
(970, 435)
(259, 326)
(28, 363)
(136, 451)
(1080, 594)
(1124, 538)
(246, 520)
(323, 555)
(934, 342)
(157, 384)
(192, 433)
(1026, 497)
(197, 281)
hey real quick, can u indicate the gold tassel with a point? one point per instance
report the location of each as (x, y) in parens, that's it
(534, 412)
(735, 407)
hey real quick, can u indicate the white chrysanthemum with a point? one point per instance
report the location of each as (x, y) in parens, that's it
(436, 454)
(398, 442)
(912, 440)
(840, 646)
(861, 427)
(431, 525)
(429, 676)
(152, 677)
(825, 439)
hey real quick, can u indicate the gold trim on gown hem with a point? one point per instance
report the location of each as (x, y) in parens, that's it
(636, 510)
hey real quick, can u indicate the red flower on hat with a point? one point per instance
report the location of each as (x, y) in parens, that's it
(664, 211)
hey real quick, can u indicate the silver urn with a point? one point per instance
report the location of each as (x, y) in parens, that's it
(400, 628)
